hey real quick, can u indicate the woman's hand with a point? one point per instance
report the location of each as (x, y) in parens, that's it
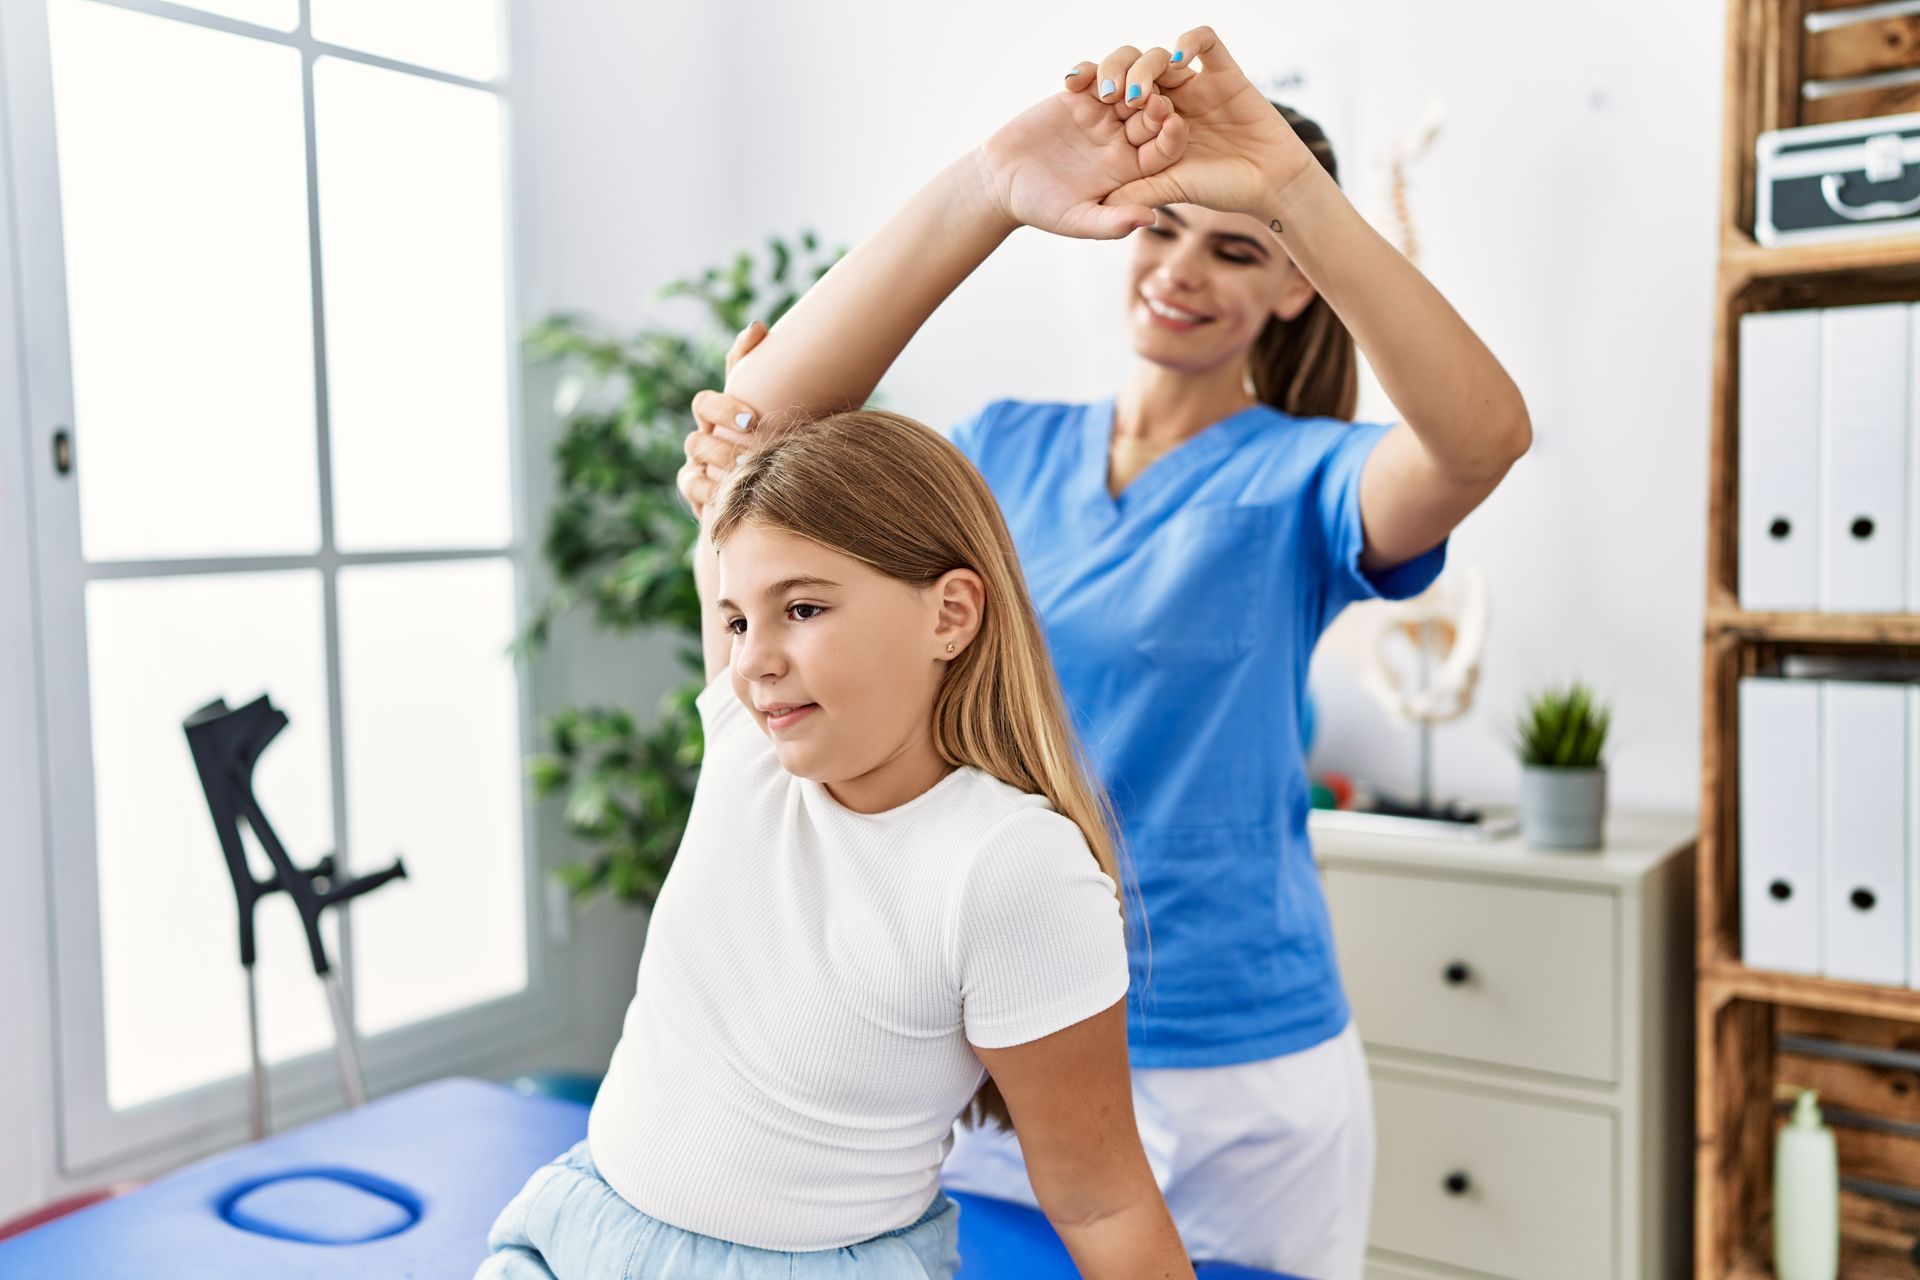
(1239, 151)
(1053, 165)
(724, 431)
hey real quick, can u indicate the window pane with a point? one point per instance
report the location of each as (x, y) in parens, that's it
(174, 991)
(433, 775)
(413, 256)
(281, 15)
(184, 199)
(457, 36)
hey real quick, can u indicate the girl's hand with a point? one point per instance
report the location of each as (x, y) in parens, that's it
(723, 434)
(1239, 150)
(1054, 164)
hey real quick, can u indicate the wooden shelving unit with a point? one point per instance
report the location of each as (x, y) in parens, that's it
(1747, 1019)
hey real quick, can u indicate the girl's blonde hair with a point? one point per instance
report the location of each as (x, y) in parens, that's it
(898, 497)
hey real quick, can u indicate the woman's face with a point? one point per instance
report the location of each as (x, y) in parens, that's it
(1204, 284)
(856, 655)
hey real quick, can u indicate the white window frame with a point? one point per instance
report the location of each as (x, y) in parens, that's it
(481, 1039)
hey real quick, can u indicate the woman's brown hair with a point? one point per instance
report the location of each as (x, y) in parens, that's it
(1306, 366)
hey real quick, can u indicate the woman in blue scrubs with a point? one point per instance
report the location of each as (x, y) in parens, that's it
(1186, 542)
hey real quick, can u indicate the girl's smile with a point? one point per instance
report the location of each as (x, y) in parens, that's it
(791, 716)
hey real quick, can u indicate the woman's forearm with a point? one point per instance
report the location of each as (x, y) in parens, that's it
(830, 351)
(1439, 375)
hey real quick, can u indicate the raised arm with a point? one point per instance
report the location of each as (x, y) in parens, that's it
(1072, 1105)
(1050, 167)
(1465, 423)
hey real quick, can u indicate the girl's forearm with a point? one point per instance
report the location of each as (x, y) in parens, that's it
(830, 351)
(1439, 375)
(1136, 1243)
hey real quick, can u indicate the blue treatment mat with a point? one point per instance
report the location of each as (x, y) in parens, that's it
(403, 1189)
(1003, 1241)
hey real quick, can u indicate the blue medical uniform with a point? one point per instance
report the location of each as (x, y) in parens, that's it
(1181, 618)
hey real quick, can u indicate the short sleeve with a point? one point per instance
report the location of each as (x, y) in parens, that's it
(969, 434)
(1344, 536)
(1038, 941)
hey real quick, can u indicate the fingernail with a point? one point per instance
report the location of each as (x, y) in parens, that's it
(1106, 87)
(1177, 55)
(1133, 91)
(1071, 74)
(744, 421)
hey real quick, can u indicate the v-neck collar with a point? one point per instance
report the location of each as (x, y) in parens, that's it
(1204, 446)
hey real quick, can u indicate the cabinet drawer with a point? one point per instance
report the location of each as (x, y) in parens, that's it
(1504, 1187)
(1513, 975)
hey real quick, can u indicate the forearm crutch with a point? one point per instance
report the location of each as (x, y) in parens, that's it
(226, 744)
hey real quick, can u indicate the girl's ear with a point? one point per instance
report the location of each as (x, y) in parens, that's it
(960, 597)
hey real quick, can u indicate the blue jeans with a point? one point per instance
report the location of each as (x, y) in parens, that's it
(568, 1224)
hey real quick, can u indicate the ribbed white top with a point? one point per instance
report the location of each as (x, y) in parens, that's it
(797, 1049)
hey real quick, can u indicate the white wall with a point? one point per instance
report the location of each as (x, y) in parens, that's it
(1567, 210)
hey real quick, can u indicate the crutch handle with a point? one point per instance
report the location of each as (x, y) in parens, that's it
(363, 884)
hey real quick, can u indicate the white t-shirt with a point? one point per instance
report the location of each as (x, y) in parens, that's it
(797, 1049)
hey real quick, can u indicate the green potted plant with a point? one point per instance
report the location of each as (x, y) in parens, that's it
(1563, 786)
(618, 541)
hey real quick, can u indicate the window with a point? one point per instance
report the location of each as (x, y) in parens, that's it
(267, 282)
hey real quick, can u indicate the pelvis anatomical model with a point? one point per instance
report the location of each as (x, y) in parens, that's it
(1419, 659)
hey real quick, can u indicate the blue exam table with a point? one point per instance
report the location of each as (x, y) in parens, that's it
(403, 1189)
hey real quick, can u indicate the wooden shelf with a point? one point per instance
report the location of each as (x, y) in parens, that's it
(1743, 257)
(1814, 628)
(1859, 1260)
(1723, 979)
(1744, 1015)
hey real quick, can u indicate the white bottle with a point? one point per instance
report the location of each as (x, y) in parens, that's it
(1806, 1196)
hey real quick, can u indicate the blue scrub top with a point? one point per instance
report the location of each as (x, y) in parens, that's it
(1181, 618)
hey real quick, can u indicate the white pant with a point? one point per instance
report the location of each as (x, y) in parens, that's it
(1266, 1164)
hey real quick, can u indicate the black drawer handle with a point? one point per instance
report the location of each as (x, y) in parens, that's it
(1863, 899)
(1457, 974)
(1862, 528)
(1780, 528)
(1780, 890)
(1457, 1183)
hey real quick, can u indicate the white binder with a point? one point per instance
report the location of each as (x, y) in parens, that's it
(1780, 880)
(1913, 834)
(1913, 473)
(1780, 460)
(1865, 778)
(1864, 458)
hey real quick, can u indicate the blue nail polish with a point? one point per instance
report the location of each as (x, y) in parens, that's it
(1177, 55)
(1106, 87)
(743, 420)
(1071, 74)
(1133, 91)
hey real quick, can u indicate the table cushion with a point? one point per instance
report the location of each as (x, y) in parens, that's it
(402, 1189)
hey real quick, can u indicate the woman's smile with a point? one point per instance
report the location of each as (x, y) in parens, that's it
(1169, 315)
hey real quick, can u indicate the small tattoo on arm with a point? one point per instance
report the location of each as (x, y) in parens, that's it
(1275, 224)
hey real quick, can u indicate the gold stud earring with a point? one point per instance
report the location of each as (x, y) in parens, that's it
(949, 647)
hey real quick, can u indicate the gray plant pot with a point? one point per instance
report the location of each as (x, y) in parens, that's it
(1563, 808)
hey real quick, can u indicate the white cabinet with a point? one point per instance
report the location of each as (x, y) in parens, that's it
(1526, 1016)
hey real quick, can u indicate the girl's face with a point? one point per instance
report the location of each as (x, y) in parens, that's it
(1203, 286)
(840, 663)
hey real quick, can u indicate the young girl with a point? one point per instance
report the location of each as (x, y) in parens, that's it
(1187, 541)
(896, 896)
